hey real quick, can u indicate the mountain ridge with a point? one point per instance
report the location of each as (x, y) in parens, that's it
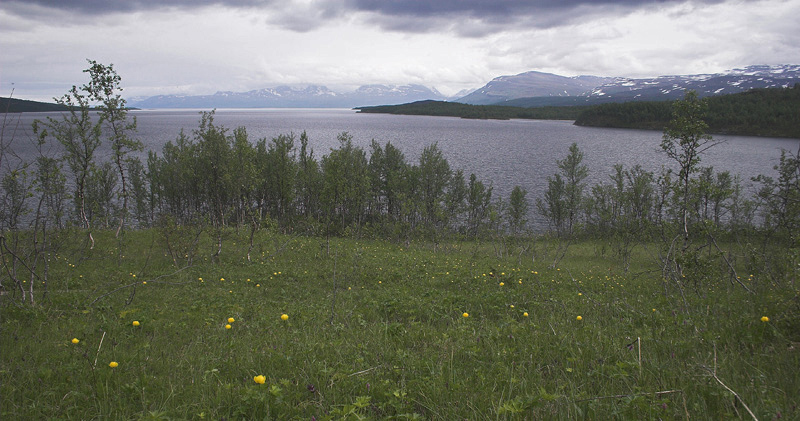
(283, 96)
(623, 89)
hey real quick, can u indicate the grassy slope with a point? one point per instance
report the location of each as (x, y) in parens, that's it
(397, 344)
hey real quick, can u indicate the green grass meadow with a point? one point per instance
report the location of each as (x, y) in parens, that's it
(377, 330)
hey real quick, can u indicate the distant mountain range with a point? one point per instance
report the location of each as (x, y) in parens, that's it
(529, 89)
(312, 96)
(542, 89)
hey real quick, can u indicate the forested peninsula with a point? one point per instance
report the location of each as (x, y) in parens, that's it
(13, 105)
(759, 112)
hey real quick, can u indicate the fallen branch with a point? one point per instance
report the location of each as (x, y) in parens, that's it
(363, 371)
(714, 375)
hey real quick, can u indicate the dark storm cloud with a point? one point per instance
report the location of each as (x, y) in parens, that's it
(479, 17)
(396, 15)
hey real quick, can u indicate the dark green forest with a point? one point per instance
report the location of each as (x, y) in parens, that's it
(760, 112)
(13, 105)
(494, 112)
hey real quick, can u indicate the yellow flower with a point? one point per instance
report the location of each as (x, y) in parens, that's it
(579, 318)
(465, 314)
(227, 326)
(113, 364)
(284, 317)
(502, 283)
(136, 323)
(525, 314)
(765, 319)
(231, 320)
(512, 305)
(75, 340)
(259, 379)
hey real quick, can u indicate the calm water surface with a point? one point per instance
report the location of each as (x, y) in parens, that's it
(500, 153)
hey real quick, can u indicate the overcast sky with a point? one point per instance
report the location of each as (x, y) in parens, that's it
(204, 46)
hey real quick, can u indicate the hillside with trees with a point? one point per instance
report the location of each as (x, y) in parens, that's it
(13, 105)
(769, 112)
(760, 112)
(491, 112)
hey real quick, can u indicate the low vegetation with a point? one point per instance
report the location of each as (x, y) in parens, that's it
(378, 329)
(227, 279)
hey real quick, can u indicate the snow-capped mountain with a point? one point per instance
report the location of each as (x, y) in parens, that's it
(312, 96)
(523, 90)
(673, 87)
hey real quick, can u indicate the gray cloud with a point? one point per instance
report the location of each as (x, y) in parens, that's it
(100, 7)
(469, 18)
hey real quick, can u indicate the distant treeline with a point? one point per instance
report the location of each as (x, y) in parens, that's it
(760, 112)
(13, 105)
(493, 112)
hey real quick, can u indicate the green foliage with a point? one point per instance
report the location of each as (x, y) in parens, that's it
(517, 209)
(79, 136)
(781, 197)
(563, 199)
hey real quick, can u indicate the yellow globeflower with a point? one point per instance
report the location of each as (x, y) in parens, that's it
(259, 379)
(231, 320)
(113, 364)
(136, 323)
(465, 314)
(284, 317)
(227, 326)
(579, 318)
(75, 340)
(502, 283)
(765, 319)
(525, 314)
